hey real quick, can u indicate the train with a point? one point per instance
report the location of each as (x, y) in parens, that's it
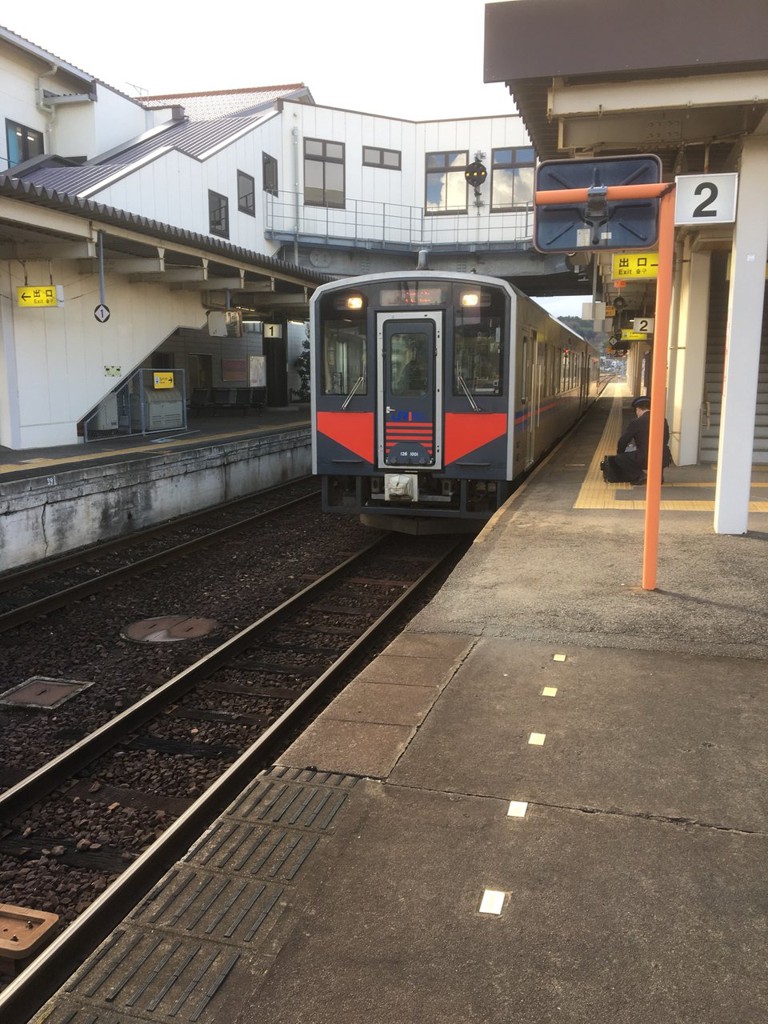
(434, 394)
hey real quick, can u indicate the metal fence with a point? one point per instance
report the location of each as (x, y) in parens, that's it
(365, 223)
(149, 401)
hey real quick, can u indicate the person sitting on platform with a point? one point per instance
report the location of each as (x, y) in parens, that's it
(634, 463)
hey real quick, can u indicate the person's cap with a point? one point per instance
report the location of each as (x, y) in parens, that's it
(641, 402)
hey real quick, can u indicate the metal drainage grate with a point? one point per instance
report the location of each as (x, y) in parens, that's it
(42, 692)
(168, 629)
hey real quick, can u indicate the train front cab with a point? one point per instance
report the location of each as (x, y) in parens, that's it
(412, 398)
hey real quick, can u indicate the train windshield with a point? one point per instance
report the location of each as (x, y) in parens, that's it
(344, 360)
(478, 356)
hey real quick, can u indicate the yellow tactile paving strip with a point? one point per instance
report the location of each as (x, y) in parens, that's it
(596, 493)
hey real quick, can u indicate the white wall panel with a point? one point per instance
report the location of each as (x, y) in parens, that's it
(82, 129)
(90, 128)
(61, 353)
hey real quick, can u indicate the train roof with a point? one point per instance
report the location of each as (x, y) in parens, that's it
(439, 275)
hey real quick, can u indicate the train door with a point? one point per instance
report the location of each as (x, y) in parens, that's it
(529, 398)
(409, 398)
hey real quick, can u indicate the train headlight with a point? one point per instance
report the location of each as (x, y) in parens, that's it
(470, 299)
(354, 302)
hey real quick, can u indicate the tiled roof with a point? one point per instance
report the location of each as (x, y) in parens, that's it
(193, 138)
(194, 135)
(25, 192)
(207, 106)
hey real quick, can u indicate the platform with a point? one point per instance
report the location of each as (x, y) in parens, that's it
(545, 801)
(56, 500)
(201, 431)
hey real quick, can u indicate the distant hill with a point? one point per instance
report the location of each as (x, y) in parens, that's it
(582, 327)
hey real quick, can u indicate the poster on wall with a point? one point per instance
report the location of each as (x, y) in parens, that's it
(257, 371)
(232, 370)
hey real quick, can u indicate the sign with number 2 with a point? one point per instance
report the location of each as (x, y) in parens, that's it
(706, 199)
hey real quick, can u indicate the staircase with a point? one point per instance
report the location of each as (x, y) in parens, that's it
(713, 378)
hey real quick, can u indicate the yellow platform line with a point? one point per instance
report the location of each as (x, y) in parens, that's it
(595, 493)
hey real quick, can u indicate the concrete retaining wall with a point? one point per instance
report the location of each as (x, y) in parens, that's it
(45, 516)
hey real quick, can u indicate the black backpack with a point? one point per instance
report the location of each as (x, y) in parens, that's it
(612, 473)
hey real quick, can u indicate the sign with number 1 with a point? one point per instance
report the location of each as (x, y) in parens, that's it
(704, 199)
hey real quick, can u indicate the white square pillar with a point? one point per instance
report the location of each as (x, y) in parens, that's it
(742, 341)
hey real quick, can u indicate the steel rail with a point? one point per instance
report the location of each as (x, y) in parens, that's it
(30, 990)
(50, 776)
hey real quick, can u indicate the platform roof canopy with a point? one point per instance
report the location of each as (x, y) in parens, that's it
(42, 224)
(687, 77)
(686, 80)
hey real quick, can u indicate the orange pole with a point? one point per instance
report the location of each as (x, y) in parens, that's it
(567, 196)
(666, 192)
(659, 386)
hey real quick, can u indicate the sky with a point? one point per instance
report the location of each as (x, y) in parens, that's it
(415, 59)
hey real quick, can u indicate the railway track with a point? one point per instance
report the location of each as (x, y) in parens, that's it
(97, 654)
(231, 712)
(29, 593)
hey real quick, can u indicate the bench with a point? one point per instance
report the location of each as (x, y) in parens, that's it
(214, 400)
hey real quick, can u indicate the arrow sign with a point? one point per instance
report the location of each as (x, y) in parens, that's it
(38, 295)
(102, 313)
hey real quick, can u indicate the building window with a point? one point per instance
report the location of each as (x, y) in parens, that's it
(218, 214)
(446, 189)
(375, 157)
(269, 174)
(23, 143)
(512, 174)
(323, 173)
(246, 193)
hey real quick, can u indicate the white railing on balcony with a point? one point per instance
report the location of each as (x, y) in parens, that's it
(366, 223)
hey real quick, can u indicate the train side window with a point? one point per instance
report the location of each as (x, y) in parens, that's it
(478, 358)
(344, 358)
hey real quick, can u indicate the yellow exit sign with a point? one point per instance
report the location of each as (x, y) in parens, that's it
(635, 264)
(163, 380)
(34, 295)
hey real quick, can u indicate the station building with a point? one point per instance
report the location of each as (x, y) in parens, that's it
(156, 250)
